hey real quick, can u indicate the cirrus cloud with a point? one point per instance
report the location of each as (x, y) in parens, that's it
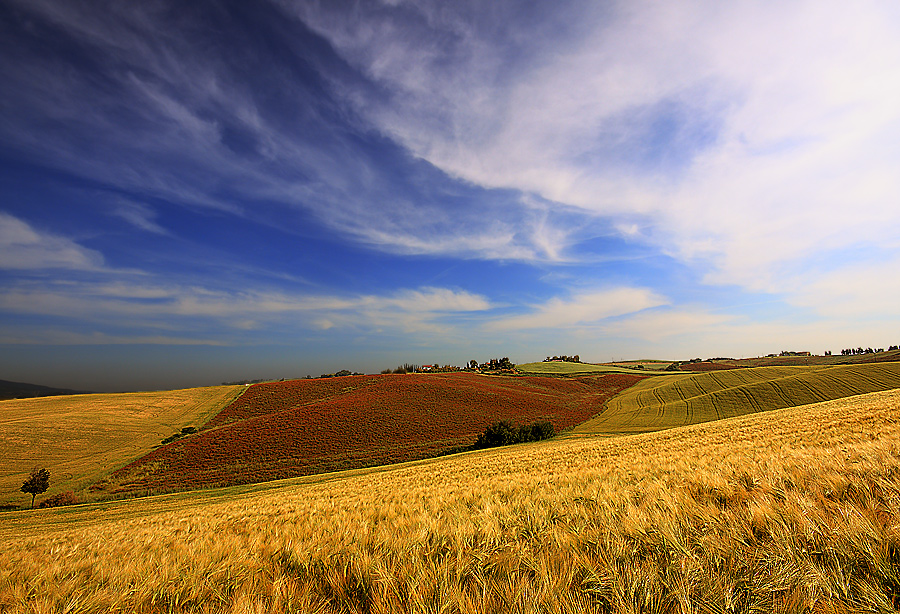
(23, 247)
(583, 309)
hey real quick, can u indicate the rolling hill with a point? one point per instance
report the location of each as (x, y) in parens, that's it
(285, 429)
(82, 438)
(680, 399)
(570, 368)
(793, 510)
(790, 361)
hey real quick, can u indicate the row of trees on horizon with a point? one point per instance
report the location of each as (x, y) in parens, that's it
(563, 358)
(493, 364)
(859, 350)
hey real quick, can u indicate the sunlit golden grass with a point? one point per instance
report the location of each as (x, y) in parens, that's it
(677, 400)
(786, 511)
(80, 438)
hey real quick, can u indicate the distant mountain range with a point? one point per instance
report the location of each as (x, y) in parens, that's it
(19, 390)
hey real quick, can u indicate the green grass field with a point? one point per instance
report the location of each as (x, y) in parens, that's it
(571, 368)
(82, 438)
(677, 400)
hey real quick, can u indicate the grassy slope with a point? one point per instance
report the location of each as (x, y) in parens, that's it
(658, 403)
(793, 361)
(792, 511)
(82, 438)
(302, 427)
(570, 368)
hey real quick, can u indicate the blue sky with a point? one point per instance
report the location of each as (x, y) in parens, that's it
(199, 192)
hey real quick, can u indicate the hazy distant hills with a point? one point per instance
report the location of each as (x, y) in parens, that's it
(19, 390)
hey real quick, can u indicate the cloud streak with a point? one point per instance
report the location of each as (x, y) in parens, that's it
(433, 174)
(177, 308)
(743, 137)
(179, 117)
(583, 310)
(22, 247)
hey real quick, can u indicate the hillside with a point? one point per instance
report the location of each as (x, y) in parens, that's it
(676, 400)
(285, 429)
(569, 368)
(791, 361)
(789, 511)
(20, 390)
(82, 438)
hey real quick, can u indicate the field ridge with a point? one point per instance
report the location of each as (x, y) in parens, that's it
(657, 403)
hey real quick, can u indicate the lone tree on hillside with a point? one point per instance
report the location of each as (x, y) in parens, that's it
(37, 483)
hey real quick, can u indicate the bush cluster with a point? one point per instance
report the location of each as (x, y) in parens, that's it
(341, 373)
(504, 433)
(60, 499)
(188, 430)
(404, 368)
(563, 358)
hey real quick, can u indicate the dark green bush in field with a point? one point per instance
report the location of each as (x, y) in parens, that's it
(504, 433)
(188, 430)
(536, 432)
(498, 434)
(407, 368)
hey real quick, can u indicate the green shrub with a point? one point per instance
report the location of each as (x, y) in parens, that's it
(504, 433)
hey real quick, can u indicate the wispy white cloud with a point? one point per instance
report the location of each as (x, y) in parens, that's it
(179, 308)
(684, 331)
(24, 247)
(139, 215)
(856, 291)
(583, 309)
(744, 137)
(175, 120)
(751, 143)
(51, 336)
(662, 325)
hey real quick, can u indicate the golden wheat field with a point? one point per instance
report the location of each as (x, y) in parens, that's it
(676, 400)
(787, 511)
(80, 438)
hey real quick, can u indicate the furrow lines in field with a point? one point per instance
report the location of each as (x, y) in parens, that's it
(660, 408)
(856, 384)
(688, 412)
(715, 379)
(868, 377)
(700, 397)
(751, 400)
(679, 390)
(786, 400)
(813, 394)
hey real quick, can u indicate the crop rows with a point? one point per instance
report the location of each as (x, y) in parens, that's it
(674, 401)
(302, 427)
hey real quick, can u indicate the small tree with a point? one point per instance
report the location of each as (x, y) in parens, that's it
(38, 482)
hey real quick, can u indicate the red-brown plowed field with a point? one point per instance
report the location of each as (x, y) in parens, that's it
(302, 427)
